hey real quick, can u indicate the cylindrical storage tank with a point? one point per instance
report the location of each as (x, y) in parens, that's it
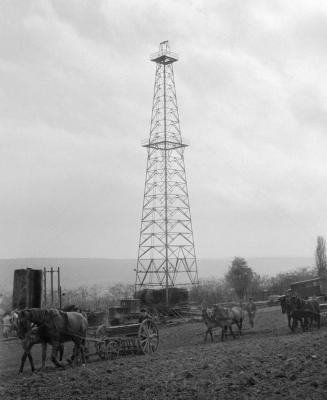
(27, 288)
(34, 288)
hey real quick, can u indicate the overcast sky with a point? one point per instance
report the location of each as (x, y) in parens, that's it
(75, 102)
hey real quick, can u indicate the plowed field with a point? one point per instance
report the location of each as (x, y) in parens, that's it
(267, 362)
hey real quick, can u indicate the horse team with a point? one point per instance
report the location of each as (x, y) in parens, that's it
(299, 312)
(54, 327)
(223, 317)
(50, 326)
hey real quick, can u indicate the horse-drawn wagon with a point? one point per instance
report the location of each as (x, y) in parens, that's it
(108, 342)
(42, 326)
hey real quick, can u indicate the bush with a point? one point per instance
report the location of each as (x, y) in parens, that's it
(96, 297)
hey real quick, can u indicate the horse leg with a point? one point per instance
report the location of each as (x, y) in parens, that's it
(30, 358)
(206, 335)
(22, 363)
(54, 352)
(79, 348)
(222, 333)
(44, 355)
(312, 318)
(239, 326)
(211, 335)
(61, 351)
(72, 357)
(292, 323)
(76, 351)
(82, 349)
(304, 323)
(309, 323)
(231, 331)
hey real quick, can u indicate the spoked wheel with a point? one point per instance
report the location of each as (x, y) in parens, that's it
(101, 349)
(113, 348)
(148, 337)
(108, 349)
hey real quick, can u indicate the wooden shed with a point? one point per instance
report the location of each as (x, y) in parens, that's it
(310, 287)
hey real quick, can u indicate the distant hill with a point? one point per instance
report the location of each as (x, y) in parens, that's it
(77, 272)
(74, 272)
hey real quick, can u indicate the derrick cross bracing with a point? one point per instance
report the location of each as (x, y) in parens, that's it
(166, 254)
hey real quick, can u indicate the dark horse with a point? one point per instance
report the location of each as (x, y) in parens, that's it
(57, 327)
(306, 311)
(32, 337)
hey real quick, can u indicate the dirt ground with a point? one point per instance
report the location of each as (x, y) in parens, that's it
(267, 362)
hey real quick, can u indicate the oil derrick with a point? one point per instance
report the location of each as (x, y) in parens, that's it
(166, 254)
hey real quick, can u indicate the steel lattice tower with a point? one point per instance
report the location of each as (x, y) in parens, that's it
(166, 255)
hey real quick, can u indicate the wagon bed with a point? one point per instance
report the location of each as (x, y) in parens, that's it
(108, 342)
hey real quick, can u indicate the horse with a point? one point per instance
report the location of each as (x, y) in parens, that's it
(308, 310)
(57, 327)
(223, 317)
(238, 317)
(34, 335)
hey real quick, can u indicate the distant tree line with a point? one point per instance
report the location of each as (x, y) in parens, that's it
(239, 283)
(259, 287)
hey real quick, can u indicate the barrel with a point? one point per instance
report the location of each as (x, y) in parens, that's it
(27, 290)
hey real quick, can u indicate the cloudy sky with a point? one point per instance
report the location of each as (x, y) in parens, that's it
(75, 101)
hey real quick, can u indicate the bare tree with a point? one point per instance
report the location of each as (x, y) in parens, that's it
(321, 261)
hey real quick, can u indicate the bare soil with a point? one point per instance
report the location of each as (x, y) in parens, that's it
(267, 362)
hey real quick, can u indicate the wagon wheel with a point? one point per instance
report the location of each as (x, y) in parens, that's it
(101, 349)
(113, 348)
(148, 337)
